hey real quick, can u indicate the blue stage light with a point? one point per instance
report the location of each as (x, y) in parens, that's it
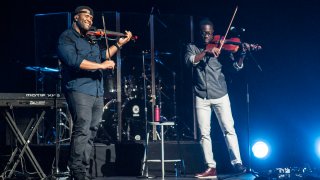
(260, 149)
(318, 147)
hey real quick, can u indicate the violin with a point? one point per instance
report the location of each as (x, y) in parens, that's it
(99, 33)
(230, 45)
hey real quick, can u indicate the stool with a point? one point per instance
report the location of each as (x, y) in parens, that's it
(162, 160)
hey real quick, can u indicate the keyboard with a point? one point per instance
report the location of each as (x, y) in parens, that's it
(32, 100)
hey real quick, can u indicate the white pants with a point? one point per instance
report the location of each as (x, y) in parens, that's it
(222, 109)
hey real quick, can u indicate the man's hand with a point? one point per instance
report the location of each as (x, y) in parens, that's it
(108, 64)
(123, 41)
(215, 51)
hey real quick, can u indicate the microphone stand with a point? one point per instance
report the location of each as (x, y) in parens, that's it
(249, 169)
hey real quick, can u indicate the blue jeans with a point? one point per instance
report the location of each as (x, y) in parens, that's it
(86, 112)
(222, 109)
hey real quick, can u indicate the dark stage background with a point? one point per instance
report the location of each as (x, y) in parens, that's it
(284, 96)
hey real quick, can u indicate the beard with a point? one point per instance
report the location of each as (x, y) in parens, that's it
(83, 26)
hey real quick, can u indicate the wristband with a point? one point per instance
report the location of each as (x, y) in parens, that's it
(118, 47)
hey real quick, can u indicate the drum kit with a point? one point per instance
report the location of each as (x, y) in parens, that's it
(135, 96)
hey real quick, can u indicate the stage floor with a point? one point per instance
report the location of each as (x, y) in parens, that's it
(187, 177)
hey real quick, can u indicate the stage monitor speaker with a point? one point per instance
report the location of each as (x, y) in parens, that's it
(102, 161)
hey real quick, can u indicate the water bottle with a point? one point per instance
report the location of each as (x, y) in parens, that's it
(156, 113)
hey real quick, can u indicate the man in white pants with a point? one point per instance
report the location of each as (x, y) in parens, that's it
(211, 95)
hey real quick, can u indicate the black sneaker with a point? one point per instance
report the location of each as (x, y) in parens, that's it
(239, 168)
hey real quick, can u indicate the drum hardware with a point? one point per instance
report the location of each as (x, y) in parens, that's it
(110, 86)
(132, 111)
(41, 73)
(107, 133)
(131, 87)
(180, 128)
(180, 125)
(42, 69)
(146, 54)
(60, 129)
(157, 54)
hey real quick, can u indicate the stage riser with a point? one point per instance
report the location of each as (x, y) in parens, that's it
(125, 159)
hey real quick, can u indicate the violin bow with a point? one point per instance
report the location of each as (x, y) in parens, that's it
(105, 36)
(225, 36)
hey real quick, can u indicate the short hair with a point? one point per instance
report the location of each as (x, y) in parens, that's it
(80, 9)
(206, 21)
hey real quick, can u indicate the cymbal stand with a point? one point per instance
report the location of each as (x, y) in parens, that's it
(144, 169)
(58, 135)
(174, 96)
(40, 78)
(145, 117)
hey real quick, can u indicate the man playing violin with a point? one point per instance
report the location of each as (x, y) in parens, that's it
(82, 63)
(211, 95)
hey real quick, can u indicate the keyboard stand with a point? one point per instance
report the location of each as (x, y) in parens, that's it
(32, 126)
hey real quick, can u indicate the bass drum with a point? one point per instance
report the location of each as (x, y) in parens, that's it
(133, 123)
(134, 118)
(108, 130)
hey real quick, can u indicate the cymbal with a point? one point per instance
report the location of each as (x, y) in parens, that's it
(157, 53)
(147, 54)
(42, 69)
